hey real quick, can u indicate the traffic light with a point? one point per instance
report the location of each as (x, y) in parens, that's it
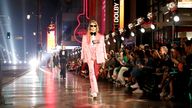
(8, 35)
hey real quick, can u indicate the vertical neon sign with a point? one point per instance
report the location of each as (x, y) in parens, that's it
(51, 43)
(103, 16)
(121, 24)
(116, 14)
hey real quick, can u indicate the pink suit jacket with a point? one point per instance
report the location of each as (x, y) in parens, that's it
(86, 53)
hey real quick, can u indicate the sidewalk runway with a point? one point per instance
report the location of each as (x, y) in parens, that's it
(43, 89)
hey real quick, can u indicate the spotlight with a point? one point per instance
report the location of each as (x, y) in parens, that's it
(176, 18)
(168, 20)
(28, 17)
(142, 30)
(5, 62)
(122, 38)
(34, 33)
(114, 40)
(152, 26)
(132, 34)
(33, 63)
(14, 62)
(108, 43)
(10, 62)
(130, 26)
(20, 62)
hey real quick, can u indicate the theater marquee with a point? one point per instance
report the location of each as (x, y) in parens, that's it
(118, 14)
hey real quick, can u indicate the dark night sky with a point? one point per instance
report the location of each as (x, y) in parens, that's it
(18, 9)
(13, 18)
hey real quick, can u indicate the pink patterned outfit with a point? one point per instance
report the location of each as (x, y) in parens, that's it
(93, 55)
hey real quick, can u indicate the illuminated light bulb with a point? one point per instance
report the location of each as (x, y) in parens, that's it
(122, 38)
(108, 43)
(132, 34)
(114, 40)
(142, 30)
(152, 26)
(176, 18)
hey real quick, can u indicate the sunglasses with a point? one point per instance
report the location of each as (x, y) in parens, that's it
(93, 25)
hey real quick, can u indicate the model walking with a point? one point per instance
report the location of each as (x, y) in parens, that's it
(93, 53)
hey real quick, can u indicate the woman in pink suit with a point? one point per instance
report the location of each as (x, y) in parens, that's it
(93, 53)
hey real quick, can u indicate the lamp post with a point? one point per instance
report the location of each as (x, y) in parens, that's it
(1, 97)
(152, 39)
(39, 32)
(36, 33)
(31, 20)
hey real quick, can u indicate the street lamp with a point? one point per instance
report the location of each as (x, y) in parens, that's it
(175, 19)
(28, 17)
(34, 33)
(31, 19)
(38, 32)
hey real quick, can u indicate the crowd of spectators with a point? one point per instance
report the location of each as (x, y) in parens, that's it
(164, 71)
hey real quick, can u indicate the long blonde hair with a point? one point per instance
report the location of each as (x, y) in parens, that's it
(88, 29)
(95, 22)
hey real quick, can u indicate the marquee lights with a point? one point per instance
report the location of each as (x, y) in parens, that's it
(140, 24)
(172, 6)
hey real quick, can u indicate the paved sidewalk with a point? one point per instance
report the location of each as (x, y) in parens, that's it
(42, 89)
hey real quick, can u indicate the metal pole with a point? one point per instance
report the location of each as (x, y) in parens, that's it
(39, 34)
(141, 40)
(173, 32)
(2, 101)
(152, 39)
(37, 37)
(0, 83)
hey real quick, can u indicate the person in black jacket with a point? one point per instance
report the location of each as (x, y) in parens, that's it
(63, 61)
